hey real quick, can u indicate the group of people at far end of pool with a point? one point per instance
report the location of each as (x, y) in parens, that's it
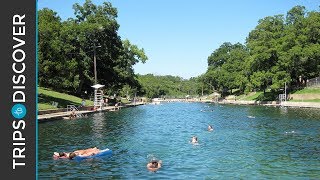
(194, 139)
(82, 152)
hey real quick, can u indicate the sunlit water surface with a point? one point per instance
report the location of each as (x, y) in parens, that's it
(281, 143)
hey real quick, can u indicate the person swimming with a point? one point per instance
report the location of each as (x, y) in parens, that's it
(210, 128)
(194, 140)
(154, 165)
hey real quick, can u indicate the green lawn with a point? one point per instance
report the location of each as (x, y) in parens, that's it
(308, 91)
(46, 97)
(308, 100)
(124, 101)
(269, 96)
(43, 106)
(259, 96)
(252, 97)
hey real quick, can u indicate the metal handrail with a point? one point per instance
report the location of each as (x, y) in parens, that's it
(73, 107)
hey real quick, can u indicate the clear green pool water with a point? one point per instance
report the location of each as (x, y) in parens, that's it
(279, 143)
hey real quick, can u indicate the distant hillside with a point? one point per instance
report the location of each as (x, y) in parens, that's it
(169, 86)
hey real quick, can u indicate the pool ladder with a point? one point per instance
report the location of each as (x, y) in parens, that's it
(73, 107)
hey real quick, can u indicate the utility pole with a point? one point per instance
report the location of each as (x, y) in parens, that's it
(285, 91)
(94, 63)
(202, 90)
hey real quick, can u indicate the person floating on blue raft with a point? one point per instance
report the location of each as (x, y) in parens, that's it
(82, 154)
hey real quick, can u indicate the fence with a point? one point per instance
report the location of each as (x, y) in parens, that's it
(314, 82)
(71, 108)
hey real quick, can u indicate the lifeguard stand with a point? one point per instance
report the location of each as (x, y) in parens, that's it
(98, 96)
(282, 98)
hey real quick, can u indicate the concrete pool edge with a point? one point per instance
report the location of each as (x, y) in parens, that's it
(60, 114)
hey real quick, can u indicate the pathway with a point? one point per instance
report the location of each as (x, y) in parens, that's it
(61, 115)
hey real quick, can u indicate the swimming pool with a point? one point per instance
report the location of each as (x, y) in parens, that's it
(270, 143)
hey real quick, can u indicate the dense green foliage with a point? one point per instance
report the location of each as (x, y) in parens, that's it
(66, 50)
(167, 86)
(279, 50)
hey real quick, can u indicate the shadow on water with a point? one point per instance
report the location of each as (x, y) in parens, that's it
(275, 143)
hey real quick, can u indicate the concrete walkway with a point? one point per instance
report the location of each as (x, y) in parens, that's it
(65, 114)
(274, 103)
(263, 103)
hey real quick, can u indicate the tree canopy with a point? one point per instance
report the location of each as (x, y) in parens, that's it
(66, 50)
(167, 86)
(280, 49)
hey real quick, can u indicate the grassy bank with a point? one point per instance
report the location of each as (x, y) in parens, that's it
(49, 99)
(249, 97)
(306, 95)
(259, 96)
(307, 100)
(308, 91)
(273, 96)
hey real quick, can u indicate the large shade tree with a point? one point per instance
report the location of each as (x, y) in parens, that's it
(67, 49)
(280, 49)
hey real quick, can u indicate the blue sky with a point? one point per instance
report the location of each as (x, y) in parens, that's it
(179, 35)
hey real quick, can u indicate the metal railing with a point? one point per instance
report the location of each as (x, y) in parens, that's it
(73, 107)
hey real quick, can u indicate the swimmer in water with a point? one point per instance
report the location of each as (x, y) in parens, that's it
(154, 165)
(210, 128)
(194, 140)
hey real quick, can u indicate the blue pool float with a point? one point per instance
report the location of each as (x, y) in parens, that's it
(102, 153)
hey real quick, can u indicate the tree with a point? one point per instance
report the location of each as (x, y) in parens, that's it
(226, 69)
(278, 50)
(52, 50)
(66, 50)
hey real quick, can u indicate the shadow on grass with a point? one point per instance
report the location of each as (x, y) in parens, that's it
(62, 103)
(268, 96)
(237, 92)
(295, 89)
